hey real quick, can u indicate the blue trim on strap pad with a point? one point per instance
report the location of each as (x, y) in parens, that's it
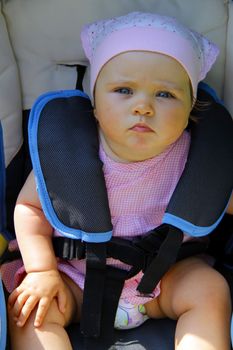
(188, 227)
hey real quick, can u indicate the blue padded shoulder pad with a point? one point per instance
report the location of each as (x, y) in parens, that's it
(64, 148)
(202, 194)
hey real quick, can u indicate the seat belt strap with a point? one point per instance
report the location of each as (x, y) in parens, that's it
(165, 257)
(93, 289)
(114, 283)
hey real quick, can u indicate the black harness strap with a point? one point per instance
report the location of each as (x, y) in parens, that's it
(165, 257)
(129, 253)
(69, 249)
(113, 287)
(137, 253)
(93, 289)
(191, 248)
(115, 282)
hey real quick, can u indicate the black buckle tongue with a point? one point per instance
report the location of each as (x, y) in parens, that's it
(160, 264)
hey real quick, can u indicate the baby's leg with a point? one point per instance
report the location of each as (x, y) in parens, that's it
(198, 297)
(52, 334)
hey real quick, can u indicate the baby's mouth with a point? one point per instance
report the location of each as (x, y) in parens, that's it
(141, 127)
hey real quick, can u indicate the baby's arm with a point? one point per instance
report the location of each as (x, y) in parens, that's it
(33, 231)
(43, 281)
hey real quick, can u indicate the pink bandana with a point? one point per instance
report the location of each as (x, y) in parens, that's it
(138, 31)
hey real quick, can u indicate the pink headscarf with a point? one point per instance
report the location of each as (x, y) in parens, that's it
(138, 31)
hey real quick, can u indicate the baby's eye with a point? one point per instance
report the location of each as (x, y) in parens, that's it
(124, 91)
(164, 94)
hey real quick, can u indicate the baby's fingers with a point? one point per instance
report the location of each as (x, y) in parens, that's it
(41, 312)
(13, 297)
(61, 300)
(19, 303)
(16, 302)
(26, 310)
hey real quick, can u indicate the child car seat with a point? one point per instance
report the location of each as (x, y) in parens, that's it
(46, 59)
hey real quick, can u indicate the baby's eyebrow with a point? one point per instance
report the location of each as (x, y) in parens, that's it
(168, 84)
(121, 82)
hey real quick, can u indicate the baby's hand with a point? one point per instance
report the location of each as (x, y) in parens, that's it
(37, 289)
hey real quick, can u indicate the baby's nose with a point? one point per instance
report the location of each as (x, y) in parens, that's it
(144, 109)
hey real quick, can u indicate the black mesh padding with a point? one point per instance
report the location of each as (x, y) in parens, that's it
(68, 149)
(207, 180)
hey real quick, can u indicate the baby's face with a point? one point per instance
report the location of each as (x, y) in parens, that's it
(142, 104)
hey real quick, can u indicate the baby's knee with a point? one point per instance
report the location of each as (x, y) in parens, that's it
(195, 285)
(216, 288)
(211, 292)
